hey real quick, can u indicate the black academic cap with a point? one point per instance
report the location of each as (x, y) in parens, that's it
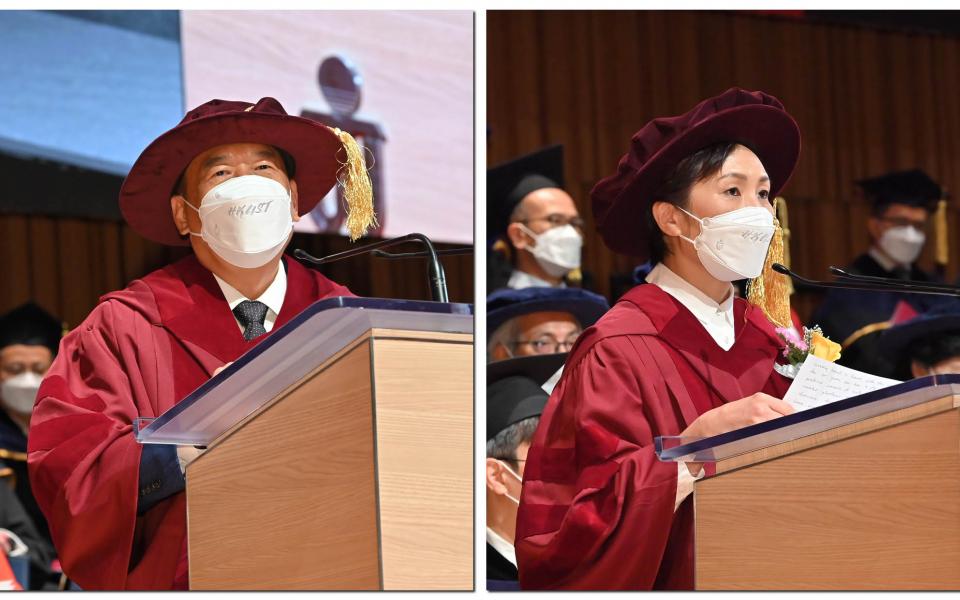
(514, 391)
(538, 367)
(508, 183)
(30, 325)
(913, 188)
(511, 400)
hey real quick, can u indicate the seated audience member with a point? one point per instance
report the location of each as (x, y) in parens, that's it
(928, 344)
(29, 338)
(902, 204)
(538, 320)
(515, 399)
(537, 229)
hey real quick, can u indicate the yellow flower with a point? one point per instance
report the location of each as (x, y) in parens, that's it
(821, 347)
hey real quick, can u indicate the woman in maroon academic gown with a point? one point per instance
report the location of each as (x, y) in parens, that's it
(230, 178)
(679, 355)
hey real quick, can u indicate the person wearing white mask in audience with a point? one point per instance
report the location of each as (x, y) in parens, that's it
(538, 320)
(515, 399)
(29, 338)
(677, 356)
(536, 225)
(229, 181)
(899, 224)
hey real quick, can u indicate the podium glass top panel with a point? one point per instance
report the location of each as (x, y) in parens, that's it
(807, 422)
(286, 356)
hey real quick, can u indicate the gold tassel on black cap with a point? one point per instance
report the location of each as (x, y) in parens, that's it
(769, 291)
(942, 249)
(357, 189)
(502, 247)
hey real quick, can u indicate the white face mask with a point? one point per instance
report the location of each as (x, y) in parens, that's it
(19, 393)
(902, 244)
(733, 245)
(557, 250)
(519, 479)
(246, 220)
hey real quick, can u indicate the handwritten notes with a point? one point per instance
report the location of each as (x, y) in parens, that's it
(821, 382)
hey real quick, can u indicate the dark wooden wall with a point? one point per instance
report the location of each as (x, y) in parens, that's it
(65, 264)
(867, 101)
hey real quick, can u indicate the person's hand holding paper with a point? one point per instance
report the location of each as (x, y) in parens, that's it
(753, 409)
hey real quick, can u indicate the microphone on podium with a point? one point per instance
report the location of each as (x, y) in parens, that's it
(435, 272)
(849, 281)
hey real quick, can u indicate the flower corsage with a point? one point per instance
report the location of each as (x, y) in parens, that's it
(797, 348)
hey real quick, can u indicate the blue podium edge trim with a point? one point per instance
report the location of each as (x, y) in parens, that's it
(449, 308)
(802, 416)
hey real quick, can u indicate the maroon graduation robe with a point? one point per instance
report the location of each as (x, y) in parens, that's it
(597, 507)
(139, 352)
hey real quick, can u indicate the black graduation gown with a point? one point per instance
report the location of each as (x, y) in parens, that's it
(14, 517)
(13, 451)
(855, 318)
(501, 574)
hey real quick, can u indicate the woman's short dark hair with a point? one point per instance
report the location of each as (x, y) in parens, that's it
(676, 190)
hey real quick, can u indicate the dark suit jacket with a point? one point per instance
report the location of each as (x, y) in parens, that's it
(501, 574)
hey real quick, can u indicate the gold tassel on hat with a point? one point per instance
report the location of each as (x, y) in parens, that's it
(942, 250)
(769, 290)
(502, 247)
(357, 189)
(780, 210)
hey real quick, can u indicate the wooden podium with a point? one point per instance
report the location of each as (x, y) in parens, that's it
(339, 454)
(860, 494)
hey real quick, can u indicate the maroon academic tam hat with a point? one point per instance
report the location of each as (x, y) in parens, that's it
(755, 119)
(145, 195)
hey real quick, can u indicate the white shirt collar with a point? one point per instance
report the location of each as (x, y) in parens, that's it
(273, 296)
(521, 279)
(502, 546)
(717, 319)
(883, 261)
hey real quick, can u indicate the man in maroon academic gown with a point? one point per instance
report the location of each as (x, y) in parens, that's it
(229, 180)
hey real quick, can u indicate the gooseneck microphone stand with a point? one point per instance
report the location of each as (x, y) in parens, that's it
(435, 272)
(849, 281)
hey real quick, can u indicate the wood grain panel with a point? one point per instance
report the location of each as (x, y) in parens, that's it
(288, 501)
(65, 265)
(44, 263)
(424, 419)
(876, 511)
(839, 433)
(867, 101)
(18, 276)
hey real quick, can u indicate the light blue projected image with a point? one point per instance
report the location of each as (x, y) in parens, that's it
(88, 88)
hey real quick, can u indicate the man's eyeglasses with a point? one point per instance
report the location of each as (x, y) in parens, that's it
(547, 344)
(556, 220)
(904, 222)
